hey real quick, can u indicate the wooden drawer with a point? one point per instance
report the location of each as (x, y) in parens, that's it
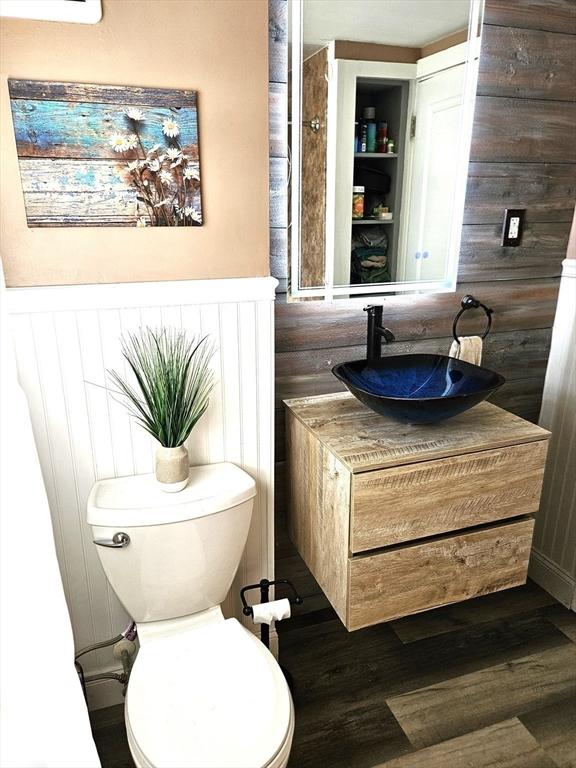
(417, 577)
(414, 501)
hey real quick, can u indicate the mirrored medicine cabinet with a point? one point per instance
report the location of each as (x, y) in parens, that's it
(382, 100)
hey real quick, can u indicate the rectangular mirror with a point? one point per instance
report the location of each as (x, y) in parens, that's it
(382, 105)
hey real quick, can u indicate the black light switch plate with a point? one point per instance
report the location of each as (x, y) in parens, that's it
(513, 226)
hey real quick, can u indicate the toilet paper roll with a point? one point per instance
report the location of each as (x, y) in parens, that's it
(266, 613)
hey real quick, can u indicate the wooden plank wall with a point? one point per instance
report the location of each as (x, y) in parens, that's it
(523, 155)
(278, 103)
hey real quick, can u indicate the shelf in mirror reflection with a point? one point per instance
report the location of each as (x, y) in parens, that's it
(379, 155)
(372, 221)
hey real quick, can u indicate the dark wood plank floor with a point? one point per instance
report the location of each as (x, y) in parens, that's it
(484, 684)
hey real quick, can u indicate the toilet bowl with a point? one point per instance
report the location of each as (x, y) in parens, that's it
(204, 692)
(208, 696)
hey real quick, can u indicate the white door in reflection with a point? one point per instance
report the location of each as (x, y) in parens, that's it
(434, 178)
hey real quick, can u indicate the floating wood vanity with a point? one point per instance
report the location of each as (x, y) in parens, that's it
(393, 519)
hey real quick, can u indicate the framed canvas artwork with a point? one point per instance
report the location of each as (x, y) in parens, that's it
(107, 156)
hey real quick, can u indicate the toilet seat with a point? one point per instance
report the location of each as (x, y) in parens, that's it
(208, 697)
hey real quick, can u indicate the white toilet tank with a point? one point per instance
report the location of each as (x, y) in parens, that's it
(184, 548)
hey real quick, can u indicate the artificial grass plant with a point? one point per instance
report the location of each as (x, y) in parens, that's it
(173, 380)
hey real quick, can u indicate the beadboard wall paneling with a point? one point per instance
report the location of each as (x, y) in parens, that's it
(65, 340)
(522, 156)
(554, 560)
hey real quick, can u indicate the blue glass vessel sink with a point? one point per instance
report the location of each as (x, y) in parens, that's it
(418, 389)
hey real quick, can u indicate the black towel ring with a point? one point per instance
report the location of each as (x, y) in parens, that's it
(469, 302)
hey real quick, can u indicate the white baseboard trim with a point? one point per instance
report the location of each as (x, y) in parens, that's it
(128, 295)
(553, 579)
(569, 268)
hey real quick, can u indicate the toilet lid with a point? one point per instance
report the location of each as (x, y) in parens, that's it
(213, 697)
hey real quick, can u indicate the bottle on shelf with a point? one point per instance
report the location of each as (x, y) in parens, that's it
(369, 115)
(362, 136)
(382, 137)
(358, 202)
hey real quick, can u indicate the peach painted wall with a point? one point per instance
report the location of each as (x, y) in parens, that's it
(217, 47)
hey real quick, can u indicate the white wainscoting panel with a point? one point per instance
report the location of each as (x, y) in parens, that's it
(553, 563)
(65, 339)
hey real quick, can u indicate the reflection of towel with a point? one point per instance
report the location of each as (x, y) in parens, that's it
(469, 349)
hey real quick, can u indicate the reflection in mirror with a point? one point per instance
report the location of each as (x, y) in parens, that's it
(382, 104)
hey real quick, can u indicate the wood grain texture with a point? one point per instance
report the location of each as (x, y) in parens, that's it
(417, 577)
(85, 192)
(412, 502)
(554, 728)
(278, 41)
(66, 175)
(101, 94)
(504, 745)
(514, 354)
(483, 610)
(363, 441)
(323, 325)
(278, 192)
(485, 468)
(543, 131)
(319, 503)
(546, 191)
(527, 63)
(540, 253)
(278, 245)
(278, 127)
(516, 687)
(522, 397)
(564, 619)
(313, 171)
(373, 665)
(72, 175)
(344, 679)
(65, 129)
(551, 15)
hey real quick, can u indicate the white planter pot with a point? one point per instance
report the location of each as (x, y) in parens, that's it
(172, 468)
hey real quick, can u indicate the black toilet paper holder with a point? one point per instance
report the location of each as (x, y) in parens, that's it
(264, 587)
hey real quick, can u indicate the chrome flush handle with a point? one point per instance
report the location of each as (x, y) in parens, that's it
(117, 541)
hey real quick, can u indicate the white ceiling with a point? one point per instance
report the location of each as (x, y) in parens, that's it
(411, 23)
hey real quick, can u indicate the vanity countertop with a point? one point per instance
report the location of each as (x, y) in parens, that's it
(364, 441)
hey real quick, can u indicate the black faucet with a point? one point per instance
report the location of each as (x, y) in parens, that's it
(376, 333)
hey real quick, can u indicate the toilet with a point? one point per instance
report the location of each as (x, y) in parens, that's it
(204, 692)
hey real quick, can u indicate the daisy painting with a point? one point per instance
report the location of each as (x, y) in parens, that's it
(114, 156)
